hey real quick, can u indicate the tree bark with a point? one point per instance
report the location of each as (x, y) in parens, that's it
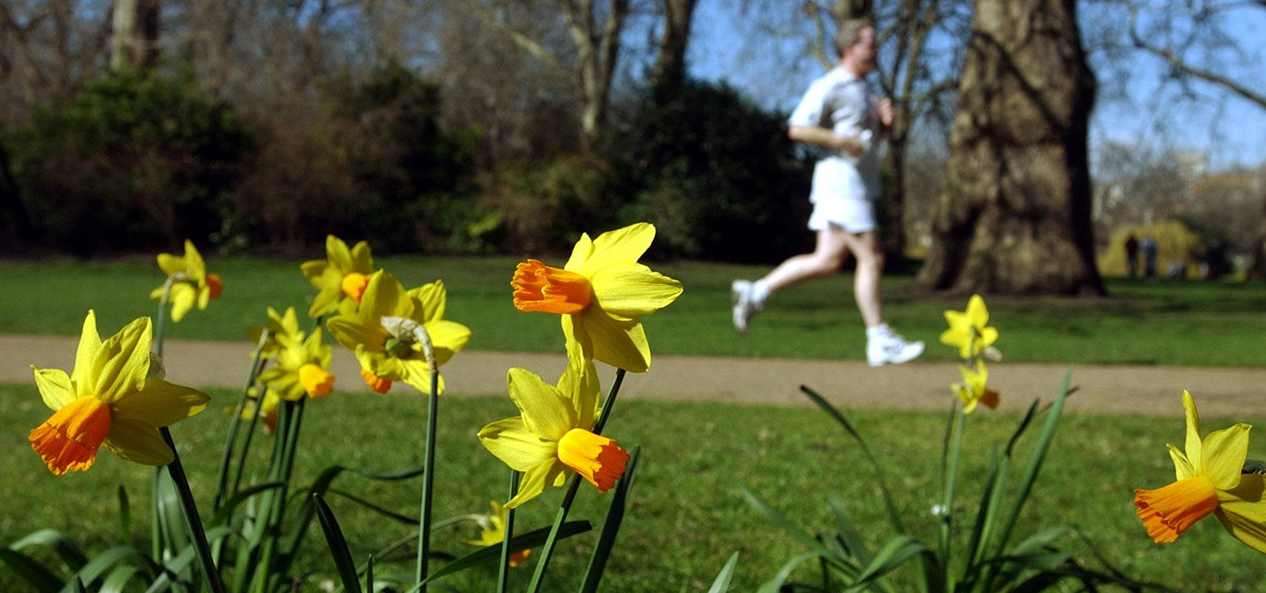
(1257, 269)
(1015, 215)
(135, 42)
(670, 59)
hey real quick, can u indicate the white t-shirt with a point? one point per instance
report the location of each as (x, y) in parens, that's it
(845, 104)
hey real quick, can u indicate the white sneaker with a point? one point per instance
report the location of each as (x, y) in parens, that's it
(745, 306)
(891, 349)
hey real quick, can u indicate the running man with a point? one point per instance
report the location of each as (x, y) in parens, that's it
(842, 114)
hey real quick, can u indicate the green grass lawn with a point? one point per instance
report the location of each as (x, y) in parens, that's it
(687, 515)
(1147, 323)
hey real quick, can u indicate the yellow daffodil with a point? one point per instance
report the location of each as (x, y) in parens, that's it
(601, 293)
(1209, 482)
(342, 276)
(553, 433)
(381, 332)
(492, 532)
(968, 330)
(280, 326)
(191, 284)
(111, 397)
(302, 368)
(973, 390)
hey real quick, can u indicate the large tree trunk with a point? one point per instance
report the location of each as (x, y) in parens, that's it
(1257, 268)
(670, 58)
(135, 42)
(1015, 215)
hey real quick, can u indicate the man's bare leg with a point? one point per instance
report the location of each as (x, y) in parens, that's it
(870, 268)
(825, 260)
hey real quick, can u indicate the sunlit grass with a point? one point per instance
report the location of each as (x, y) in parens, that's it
(687, 516)
(1146, 323)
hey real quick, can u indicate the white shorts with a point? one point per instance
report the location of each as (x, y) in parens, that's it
(852, 215)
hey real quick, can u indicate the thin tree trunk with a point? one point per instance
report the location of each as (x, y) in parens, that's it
(670, 60)
(1015, 215)
(136, 28)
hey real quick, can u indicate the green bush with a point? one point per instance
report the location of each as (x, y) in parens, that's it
(134, 161)
(545, 207)
(716, 174)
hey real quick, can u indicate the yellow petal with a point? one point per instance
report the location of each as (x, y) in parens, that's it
(448, 337)
(194, 265)
(362, 260)
(138, 442)
(314, 270)
(579, 383)
(988, 336)
(976, 312)
(413, 372)
(534, 481)
(1192, 445)
(1243, 512)
(122, 364)
(89, 344)
(55, 387)
(204, 297)
(1224, 453)
(340, 257)
(181, 297)
(633, 290)
(515, 446)
(326, 301)
(546, 413)
(624, 245)
(1182, 466)
(619, 343)
(385, 296)
(160, 404)
(351, 331)
(432, 300)
(170, 264)
(579, 254)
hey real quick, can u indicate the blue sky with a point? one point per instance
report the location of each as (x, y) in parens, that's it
(1135, 105)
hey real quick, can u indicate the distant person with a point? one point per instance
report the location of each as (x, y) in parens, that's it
(1148, 247)
(843, 114)
(1132, 254)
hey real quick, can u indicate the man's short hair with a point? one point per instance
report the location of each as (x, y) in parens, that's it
(850, 33)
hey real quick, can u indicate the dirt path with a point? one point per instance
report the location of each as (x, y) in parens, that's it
(1145, 390)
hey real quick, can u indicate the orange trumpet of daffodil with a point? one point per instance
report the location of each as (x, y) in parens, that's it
(1209, 481)
(601, 293)
(110, 398)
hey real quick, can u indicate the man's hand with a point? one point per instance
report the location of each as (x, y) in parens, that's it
(886, 112)
(848, 144)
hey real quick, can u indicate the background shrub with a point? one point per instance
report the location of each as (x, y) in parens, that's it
(717, 174)
(132, 162)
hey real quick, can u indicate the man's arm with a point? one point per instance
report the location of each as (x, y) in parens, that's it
(826, 138)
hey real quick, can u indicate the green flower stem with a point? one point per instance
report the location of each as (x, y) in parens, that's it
(156, 542)
(277, 512)
(951, 482)
(548, 550)
(428, 475)
(177, 472)
(503, 575)
(231, 441)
